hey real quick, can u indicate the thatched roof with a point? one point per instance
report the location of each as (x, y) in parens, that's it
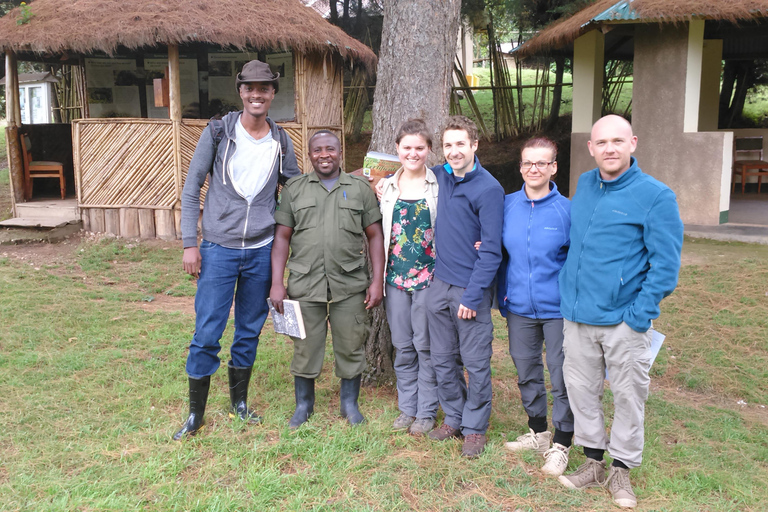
(85, 26)
(602, 12)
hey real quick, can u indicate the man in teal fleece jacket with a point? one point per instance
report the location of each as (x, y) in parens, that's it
(626, 239)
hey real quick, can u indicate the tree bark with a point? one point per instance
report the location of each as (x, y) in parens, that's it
(334, 12)
(414, 75)
(414, 79)
(726, 92)
(557, 93)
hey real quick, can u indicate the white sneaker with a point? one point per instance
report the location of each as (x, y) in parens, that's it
(557, 460)
(538, 443)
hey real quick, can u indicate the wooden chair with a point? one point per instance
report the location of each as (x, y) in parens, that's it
(39, 169)
(750, 146)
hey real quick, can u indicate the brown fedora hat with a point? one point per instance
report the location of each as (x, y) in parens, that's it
(256, 71)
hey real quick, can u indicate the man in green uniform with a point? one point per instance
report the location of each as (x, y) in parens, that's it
(322, 219)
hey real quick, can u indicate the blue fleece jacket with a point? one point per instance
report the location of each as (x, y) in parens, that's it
(468, 210)
(536, 239)
(626, 239)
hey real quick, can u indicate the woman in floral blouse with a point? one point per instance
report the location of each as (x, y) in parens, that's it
(408, 207)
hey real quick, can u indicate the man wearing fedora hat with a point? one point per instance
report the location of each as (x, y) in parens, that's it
(242, 155)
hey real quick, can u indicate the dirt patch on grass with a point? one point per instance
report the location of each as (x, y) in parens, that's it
(169, 304)
(673, 393)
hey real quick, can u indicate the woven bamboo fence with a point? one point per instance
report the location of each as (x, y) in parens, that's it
(321, 99)
(126, 176)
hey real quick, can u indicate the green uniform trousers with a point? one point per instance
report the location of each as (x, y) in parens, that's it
(349, 330)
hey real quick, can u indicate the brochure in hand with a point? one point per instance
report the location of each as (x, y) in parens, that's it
(290, 322)
(380, 165)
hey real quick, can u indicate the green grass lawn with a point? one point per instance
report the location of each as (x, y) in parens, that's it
(94, 341)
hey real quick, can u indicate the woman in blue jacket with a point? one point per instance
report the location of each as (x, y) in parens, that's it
(536, 239)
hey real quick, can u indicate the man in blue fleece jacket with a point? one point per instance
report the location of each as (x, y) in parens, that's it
(626, 239)
(470, 208)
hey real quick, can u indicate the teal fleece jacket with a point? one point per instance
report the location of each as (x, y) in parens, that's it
(626, 239)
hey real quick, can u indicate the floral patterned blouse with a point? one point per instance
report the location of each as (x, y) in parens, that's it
(411, 251)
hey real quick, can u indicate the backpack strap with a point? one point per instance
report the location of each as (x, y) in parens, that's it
(217, 133)
(283, 145)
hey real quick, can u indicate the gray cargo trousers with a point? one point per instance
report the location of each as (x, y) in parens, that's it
(626, 354)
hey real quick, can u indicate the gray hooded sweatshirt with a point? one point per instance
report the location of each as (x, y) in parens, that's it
(228, 219)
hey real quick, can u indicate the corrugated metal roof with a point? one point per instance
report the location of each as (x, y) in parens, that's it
(621, 11)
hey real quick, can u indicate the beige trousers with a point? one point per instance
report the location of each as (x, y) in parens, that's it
(626, 354)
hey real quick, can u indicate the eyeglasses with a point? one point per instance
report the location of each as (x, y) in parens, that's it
(526, 166)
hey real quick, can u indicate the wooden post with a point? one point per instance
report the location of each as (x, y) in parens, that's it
(112, 221)
(301, 115)
(146, 223)
(86, 218)
(177, 223)
(164, 225)
(129, 222)
(97, 219)
(15, 162)
(13, 116)
(174, 112)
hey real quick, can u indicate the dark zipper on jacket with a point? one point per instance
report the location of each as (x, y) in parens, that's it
(581, 253)
(530, 266)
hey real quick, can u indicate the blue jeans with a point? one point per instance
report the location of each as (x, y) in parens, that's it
(221, 270)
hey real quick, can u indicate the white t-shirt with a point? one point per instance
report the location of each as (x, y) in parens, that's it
(251, 165)
(252, 162)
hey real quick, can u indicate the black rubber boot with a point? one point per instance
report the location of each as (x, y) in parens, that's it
(239, 378)
(350, 392)
(305, 401)
(198, 396)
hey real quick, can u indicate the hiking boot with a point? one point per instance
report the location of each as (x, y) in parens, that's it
(474, 444)
(557, 460)
(444, 432)
(402, 422)
(421, 426)
(589, 474)
(538, 443)
(621, 489)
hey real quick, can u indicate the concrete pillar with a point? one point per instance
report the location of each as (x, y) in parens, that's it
(711, 68)
(693, 75)
(588, 70)
(668, 67)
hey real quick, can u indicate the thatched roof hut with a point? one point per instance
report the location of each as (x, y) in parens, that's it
(128, 171)
(61, 27)
(606, 12)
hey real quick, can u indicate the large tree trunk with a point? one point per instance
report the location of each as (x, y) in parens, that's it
(334, 12)
(557, 93)
(414, 79)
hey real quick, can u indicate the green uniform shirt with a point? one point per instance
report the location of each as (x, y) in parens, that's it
(328, 230)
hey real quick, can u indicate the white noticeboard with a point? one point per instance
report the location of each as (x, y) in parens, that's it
(222, 74)
(113, 87)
